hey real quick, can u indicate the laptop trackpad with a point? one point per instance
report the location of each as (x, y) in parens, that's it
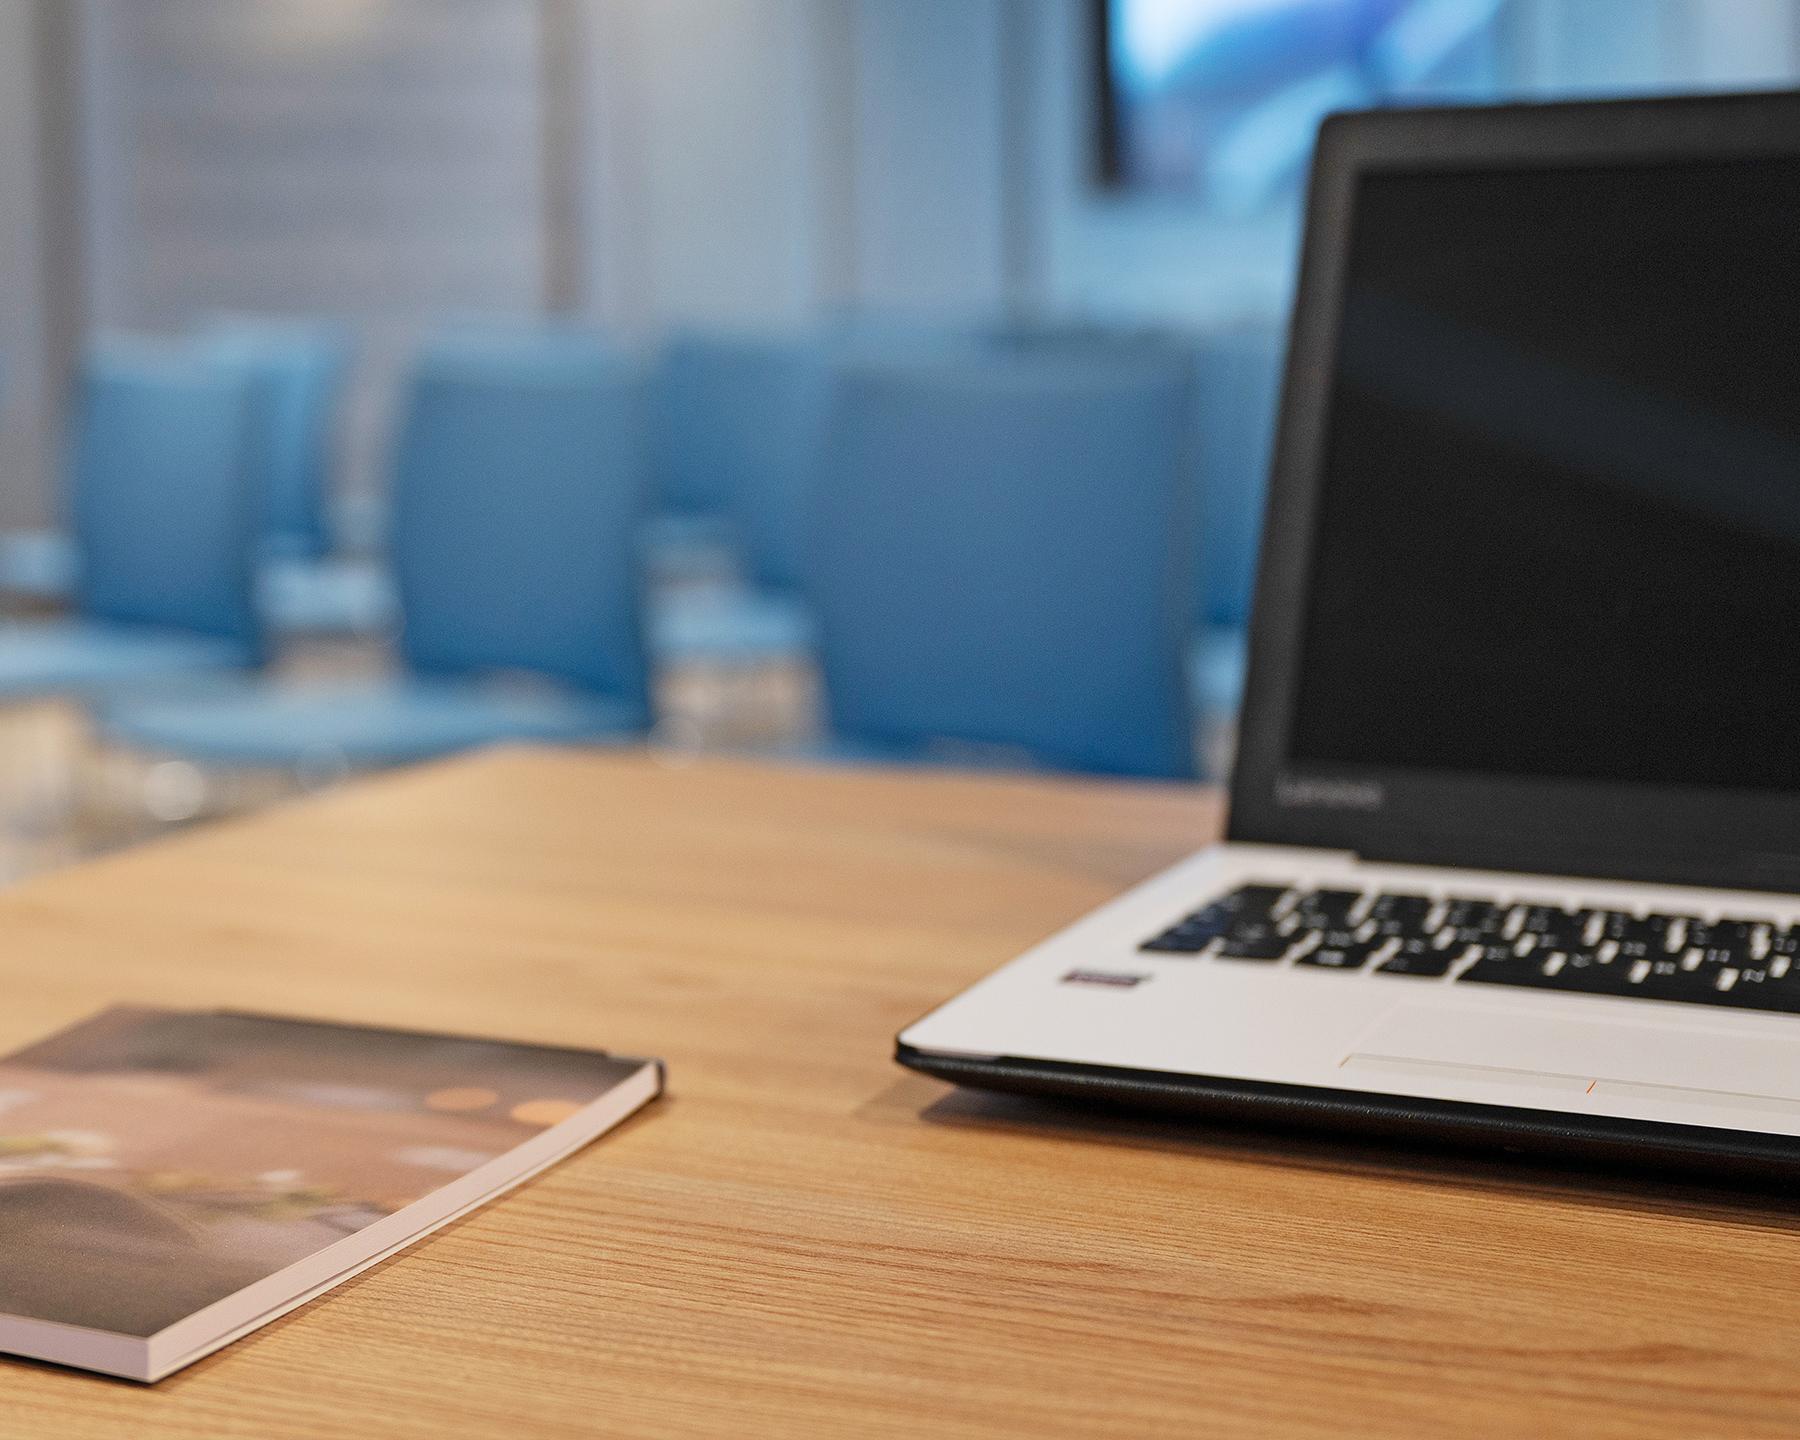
(1681, 1061)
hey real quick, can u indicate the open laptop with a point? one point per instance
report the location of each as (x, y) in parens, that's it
(1514, 841)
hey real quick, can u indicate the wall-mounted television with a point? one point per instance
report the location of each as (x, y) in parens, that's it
(1218, 100)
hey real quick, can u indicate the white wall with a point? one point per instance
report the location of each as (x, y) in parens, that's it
(379, 161)
(702, 174)
(751, 161)
(927, 154)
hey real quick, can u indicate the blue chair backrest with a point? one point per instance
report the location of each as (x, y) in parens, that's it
(518, 490)
(160, 496)
(1239, 385)
(301, 368)
(1001, 556)
(741, 422)
(692, 458)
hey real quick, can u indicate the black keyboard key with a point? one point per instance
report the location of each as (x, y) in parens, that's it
(1671, 931)
(1267, 946)
(1326, 909)
(1255, 938)
(1341, 952)
(1249, 904)
(1255, 899)
(1553, 928)
(1503, 969)
(1419, 957)
(1479, 915)
(1729, 942)
(1541, 969)
(1192, 934)
(1471, 922)
(1757, 989)
(1584, 975)
(1402, 915)
(1172, 942)
(1635, 938)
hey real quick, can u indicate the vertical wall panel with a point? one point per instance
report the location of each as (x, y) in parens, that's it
(380, 160)
(929, 123)
(703, 164)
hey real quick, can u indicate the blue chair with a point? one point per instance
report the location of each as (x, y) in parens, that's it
(1000, 562)
(301, 366)
(163, 517)
(741, 423)
(1239, 383)
(304, 588)
(517, 491)
(692, 500)
(299, 369)
(37, 566)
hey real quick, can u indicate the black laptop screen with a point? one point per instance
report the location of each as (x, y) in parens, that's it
(1559, 526)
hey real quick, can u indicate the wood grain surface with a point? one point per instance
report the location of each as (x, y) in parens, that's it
(804, 1240)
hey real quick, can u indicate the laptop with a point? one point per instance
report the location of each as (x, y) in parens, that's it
(1513, 855)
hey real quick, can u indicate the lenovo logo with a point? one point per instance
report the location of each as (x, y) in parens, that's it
(1115, 979)
(1309, 792)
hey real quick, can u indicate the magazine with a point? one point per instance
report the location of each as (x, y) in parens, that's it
(171, 1180)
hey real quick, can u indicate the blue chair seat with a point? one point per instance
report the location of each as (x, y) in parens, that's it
(75, 657)
(731, 628)
(327, 597)
(362, 726)
(1216, 665)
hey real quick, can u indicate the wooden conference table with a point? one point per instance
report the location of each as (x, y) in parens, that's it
(804, 1240)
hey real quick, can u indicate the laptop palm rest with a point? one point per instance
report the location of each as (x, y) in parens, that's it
(1690, 1064)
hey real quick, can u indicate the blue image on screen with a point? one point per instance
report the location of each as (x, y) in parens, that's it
(1221, 98)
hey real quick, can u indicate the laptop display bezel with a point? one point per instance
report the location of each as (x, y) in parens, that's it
(1674, 834)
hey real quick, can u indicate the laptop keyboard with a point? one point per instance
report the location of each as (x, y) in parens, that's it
(1747, 963)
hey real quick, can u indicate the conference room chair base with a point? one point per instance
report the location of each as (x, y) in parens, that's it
(341, 596)
(727, 626)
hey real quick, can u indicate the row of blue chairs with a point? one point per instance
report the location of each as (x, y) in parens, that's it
(517, 485)
(743, 421)
(734, 439)
(986, 540)
(300, 368)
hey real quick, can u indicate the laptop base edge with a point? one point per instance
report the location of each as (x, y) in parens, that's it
(1694, 1151)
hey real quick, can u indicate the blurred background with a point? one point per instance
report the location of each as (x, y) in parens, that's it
(852, 381)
